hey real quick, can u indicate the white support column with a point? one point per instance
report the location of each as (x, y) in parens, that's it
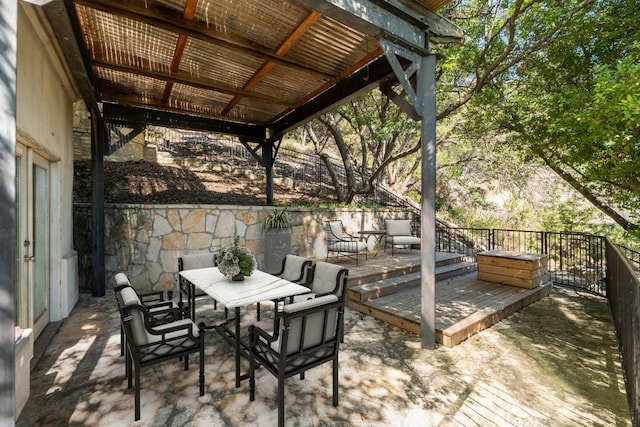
(8, 88)
(427, 109)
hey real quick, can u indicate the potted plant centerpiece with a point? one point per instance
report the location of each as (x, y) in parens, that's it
(277, 245)
(235, 261)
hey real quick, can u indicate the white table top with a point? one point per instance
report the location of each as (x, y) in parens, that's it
(260, 286)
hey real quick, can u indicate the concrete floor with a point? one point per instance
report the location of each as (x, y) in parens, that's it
(555, 363)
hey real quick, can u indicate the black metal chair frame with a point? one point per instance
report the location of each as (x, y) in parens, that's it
(161, 311)
(186, 290)
(283, 366)
(389, 241)
(175, 340)
(347, 239)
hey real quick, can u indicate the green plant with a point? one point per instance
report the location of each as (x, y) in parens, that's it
(278, 219)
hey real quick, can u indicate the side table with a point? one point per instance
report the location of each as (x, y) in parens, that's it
(376, 234)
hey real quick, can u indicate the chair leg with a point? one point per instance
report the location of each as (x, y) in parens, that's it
(137, 392)
(258, 308)
(280, 400)
(335, 382)
(201, 376)
(186, 362)
(129, 369)
(252, 379)
(121, 340)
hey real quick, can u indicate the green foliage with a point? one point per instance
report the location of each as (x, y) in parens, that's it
(277, 219)
(556, 82)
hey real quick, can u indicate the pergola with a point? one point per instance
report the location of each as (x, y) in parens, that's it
(255, 69)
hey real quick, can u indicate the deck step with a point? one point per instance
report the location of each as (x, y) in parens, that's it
(363, 275)
(464, 305)
(389, 285)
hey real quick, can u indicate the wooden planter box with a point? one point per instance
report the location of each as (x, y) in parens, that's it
(513, 268)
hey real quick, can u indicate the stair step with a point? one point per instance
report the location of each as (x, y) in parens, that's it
(380, 288)
(399, 268)
(389, 285)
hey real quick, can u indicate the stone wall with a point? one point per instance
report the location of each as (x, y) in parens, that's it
(134, 150)
(145, 241)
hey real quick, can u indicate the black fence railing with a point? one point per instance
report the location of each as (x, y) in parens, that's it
(575, 259)
(623, 284)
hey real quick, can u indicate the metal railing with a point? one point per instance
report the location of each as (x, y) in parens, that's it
(580, 260)
(623, 284)
(575, 259)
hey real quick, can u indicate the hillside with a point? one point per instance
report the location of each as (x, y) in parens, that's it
(151, 183)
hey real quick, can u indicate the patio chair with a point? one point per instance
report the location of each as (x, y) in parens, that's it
(306, 335)
(193, 262)
(398, 233)
(343, 243)
(295, 269)
(160, 310)
(326, 279)
(148, 344)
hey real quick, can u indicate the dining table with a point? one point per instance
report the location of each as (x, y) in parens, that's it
(234, 295)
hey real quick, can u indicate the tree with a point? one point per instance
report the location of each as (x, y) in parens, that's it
(541, 81)
(371, 135)
(574, 105)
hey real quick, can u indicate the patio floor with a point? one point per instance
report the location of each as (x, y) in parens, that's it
(553, 363)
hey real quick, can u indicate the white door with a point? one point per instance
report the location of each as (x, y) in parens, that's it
(32, 240)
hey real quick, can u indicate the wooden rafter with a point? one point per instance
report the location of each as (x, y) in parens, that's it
(185, 79)
(285, 47)
(189, 12)
(154, 13)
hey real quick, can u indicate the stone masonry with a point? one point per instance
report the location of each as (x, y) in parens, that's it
(145, 241)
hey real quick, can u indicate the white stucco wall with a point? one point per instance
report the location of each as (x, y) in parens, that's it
(44, 121)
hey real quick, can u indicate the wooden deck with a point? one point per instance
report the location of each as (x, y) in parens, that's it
(388, 288)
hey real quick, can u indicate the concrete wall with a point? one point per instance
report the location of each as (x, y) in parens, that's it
(44, 119)
(45, 93)
(145, 241)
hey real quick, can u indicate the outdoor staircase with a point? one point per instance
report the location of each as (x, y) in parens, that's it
(371, 284)
(389, 289)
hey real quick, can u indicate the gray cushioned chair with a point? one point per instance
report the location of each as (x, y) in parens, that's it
(398, 233)
(148, 344)
(342, 243)
(326, 279)
(193, 262)
(306, 334)
(295, 269)
(161, 310)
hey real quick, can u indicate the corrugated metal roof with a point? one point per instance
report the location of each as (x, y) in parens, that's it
(249, 61)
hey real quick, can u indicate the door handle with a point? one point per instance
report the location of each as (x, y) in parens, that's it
(28, 258)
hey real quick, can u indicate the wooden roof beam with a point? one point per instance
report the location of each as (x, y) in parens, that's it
(285, 47)
(155, 14)
(185, 79)
(189, 12)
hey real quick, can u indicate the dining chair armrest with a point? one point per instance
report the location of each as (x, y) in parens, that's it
(256, 333)
(147, 297)
(186, 327)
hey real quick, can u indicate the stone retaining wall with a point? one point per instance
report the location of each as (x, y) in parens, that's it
(145, 241)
